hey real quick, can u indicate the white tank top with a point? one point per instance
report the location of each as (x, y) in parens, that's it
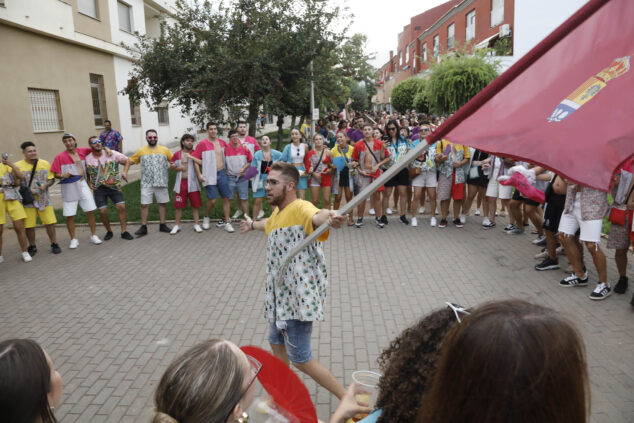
(298, 153)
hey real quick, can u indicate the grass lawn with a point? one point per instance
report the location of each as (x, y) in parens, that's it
(132, 195)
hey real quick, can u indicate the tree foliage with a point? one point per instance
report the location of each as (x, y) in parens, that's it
(211, 57)
(402, 97)
(420, 103)
(457, 79)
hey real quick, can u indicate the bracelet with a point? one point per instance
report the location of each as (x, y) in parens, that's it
(252, 228)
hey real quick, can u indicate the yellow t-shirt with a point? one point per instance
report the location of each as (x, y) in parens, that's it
(42, 165)
(297, 213)
(147, 150)
(442, 145)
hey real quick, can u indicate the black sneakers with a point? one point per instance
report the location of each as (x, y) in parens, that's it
(141, 231)
(547, 264)
(55, 248)
(404, 220)
(619, 288)
(32, 250)
(359, 222)
(458, 223)
(126, 235)
(443, 223)
(384, 219)
(601, 292)
(574, 280)
(379, 223)
(108, 236)
(164, 228)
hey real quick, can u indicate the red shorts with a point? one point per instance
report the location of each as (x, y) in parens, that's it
(457, 190)
(376, 176)
(180, 200)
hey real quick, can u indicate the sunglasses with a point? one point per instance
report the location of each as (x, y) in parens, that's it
(152, 138)
(391, 129)
(95, 142)
(256, 368)
(457, 310)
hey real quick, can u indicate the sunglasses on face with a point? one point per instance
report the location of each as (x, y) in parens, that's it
(152, 138)
(93, 142)
(391, 129)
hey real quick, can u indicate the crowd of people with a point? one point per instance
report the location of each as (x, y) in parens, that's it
(454, 365)
(342, 158)
(429, 369)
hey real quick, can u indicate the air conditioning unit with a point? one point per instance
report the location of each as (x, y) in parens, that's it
(505, 30)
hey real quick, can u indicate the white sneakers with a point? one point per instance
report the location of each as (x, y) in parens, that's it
(206, 223)
(421, 210)
(228, 227)
(26, 257)
(433, 221)
(486, 221)
(477, 212)
(237, 214)
(198, 229)
(260, 215)
(414, 221)
(74, 243)
(372, 212)
(388, 211)
(463, 219)
(94, 239)
(176, 229)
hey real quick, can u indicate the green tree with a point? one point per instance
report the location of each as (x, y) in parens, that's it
(455, 80)
(420, 102)
(402, 97)
(212, 57)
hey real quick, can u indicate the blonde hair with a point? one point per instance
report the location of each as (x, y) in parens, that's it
(203, 384)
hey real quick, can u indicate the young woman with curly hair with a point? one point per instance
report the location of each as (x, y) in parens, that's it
(408, 365)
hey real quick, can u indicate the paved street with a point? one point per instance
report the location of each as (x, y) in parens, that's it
(113, 316)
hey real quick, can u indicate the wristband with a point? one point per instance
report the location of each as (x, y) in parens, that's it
(252, 228)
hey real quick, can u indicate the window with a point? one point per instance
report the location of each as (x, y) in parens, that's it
(436, 45)
(497, 12)
(471, 25)
(406, 57)
(135, 112)
(400, 59)
(98, 99)
(45, 110)
(125, 17)
(163, 113)
(451, 31)
(424, 52)
(88, 7)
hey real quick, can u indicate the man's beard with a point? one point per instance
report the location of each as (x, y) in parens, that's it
(152, 142)
(276, 201)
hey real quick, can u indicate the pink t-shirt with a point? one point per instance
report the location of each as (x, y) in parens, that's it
(205, 152)
(251, 143)
(236, 158)
(64, 163)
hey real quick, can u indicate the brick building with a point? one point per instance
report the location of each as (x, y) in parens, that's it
(442, 29)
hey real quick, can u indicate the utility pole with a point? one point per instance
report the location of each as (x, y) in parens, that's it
(312, 104)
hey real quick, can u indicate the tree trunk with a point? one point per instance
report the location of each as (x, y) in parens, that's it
(253, 115)
(293, 118)
(280, 131)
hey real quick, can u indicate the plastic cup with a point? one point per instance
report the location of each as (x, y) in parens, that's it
(367, 386)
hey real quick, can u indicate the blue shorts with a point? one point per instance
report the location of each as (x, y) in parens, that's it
(303, 181)
(222, 185)
(261, 193)
(238, 184)
(297, 340)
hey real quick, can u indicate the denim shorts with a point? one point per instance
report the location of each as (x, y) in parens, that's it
(222, 185)
(297, 340)
(238, 184)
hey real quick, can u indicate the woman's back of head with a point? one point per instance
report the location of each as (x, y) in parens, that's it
(408, 366)
(509, 361)
(25, 381)
(202, 385)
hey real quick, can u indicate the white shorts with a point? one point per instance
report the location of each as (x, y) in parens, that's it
(496, 190)
(161, 194)
(590, 230)
(87, 201)
(427, 178)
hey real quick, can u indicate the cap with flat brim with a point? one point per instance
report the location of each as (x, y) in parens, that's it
(68, 135)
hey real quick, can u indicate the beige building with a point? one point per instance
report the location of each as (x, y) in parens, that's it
(63, 67)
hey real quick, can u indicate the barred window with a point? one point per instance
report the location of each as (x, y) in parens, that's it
(451, 32)
(436, 45)
(424, 52)
(98, 99)
(471, 25)
(135, 112)
(45, 110)
(163, 113)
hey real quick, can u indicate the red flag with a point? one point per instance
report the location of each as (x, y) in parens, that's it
(567, 104)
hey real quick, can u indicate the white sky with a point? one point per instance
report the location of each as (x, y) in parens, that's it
(382, 21)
